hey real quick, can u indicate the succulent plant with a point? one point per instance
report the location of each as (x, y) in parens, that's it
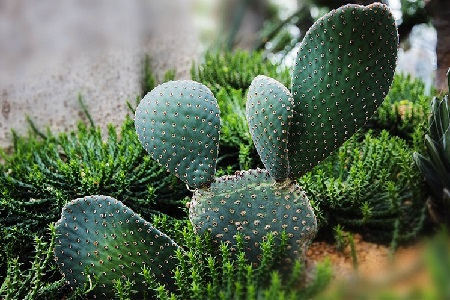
(344, 68)
(343, 71)
(337, 84)
(436, 167)
(178, 124)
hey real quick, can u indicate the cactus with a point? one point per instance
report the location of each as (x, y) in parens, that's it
(344, 69)
(436, 167)
(178, 124)
(269, 110)
(250, 203)
(294, 130)
(100, 237)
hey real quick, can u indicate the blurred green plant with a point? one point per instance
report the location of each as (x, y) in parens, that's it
(236, 70)
(437, 257)
(371, 187)
(405, 110)
(435, 167)
(148, 78)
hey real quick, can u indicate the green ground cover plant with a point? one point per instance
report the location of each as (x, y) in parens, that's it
(370, 186)
(405, 110)
(236, 70)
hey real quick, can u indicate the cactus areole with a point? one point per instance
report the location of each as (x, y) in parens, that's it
(343, 71)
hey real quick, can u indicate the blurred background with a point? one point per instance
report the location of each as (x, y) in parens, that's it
(52, 52)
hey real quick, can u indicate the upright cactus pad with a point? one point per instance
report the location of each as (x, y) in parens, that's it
(253, 204)
(343, 71)
(100, 236)
(269, 112)
(178, 124)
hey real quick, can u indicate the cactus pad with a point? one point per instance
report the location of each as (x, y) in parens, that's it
(269, 110)
(343, 71)
(101, 236)
(178, 125)
(253, 204)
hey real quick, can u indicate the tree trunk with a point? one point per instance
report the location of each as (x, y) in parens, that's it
(439, 11)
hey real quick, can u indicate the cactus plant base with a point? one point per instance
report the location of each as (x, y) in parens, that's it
(253, 204)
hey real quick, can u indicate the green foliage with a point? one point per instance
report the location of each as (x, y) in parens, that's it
(233, 129)
(236, 148)
(435, 167)
(206, 271)
(29, 283)
(371, 187)
(404, 111)
(41, 175)
(235, 71)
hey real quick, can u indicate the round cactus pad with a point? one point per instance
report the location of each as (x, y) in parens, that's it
(343, 71)
(269, 110)
(253, 204)
(99, 236)
(178, 125)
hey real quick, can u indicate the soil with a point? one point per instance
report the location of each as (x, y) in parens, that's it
(377, 269)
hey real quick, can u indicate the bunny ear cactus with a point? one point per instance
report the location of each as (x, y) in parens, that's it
(178, 125)
(98, 236)
(343, 70)
(252, 204)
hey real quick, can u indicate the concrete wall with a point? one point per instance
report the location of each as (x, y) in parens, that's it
(51, 51)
